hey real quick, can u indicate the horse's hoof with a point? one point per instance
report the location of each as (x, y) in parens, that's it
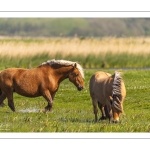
(103, 118)
(48, 109)
(2, 105)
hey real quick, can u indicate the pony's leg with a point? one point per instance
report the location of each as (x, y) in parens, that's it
(109, 112)
(2, 98)
(48, 97)
(10, 101)
(94, 102)
(102, 109)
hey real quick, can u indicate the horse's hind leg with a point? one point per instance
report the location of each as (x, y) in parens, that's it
(94, 102)
(48, 97)
(10, 101)
(2, 98)
(103, 111)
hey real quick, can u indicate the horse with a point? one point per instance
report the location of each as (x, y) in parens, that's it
(108, 92)
(43, 80)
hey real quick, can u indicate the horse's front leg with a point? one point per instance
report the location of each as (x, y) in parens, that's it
(109, 110)
(49, 99)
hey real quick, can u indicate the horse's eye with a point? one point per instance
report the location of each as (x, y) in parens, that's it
(75, 74)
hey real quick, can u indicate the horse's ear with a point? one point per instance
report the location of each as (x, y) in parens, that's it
(75, 65)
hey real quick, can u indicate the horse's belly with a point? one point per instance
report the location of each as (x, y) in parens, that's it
(29, 92)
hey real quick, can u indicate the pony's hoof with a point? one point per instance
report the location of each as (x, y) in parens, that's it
(103, 118)
(2, 105)
(48, 109)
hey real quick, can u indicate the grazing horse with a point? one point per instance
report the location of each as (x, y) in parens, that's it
(43, 80)
(108, 92)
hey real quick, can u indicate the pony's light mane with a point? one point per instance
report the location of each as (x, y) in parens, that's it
(66, 63)
(117, 84)
(116, 92)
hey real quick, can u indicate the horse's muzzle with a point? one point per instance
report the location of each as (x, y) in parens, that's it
(115, 121)
(80, 88)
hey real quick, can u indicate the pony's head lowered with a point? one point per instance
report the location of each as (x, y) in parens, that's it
(118, 95)
(76, 74)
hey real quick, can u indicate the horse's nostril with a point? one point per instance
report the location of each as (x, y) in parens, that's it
(80, 88)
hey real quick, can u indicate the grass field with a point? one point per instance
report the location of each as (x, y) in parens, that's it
(72, 110)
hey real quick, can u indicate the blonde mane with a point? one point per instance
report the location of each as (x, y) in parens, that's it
(66, 63)
(117, 84)
(116, 92)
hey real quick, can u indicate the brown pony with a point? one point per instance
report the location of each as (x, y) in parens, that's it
(43, 80)
(108, 92)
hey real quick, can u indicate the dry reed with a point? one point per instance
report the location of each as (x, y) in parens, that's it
(75, 46)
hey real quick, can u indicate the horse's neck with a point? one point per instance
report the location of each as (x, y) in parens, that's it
(62, 73)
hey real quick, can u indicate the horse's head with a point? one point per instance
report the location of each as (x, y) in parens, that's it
(76, 78)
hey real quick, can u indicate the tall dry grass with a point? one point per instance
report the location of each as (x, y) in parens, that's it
(74, 46)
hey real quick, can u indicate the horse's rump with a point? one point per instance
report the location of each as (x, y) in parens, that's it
(98, 85)
(23, 81)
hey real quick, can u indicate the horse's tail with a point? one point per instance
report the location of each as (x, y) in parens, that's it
(2, 104)
(116, 92)
(0, 89)
(0, 92)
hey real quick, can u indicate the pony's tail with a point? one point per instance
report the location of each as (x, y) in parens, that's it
(116, 92)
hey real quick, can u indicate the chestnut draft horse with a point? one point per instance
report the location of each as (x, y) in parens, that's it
(43, 80)
(108, 92)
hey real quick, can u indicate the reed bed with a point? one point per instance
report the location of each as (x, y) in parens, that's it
(108, 52)
(74, 46)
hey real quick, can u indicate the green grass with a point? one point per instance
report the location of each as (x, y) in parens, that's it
(73, 112)
(122, 60)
